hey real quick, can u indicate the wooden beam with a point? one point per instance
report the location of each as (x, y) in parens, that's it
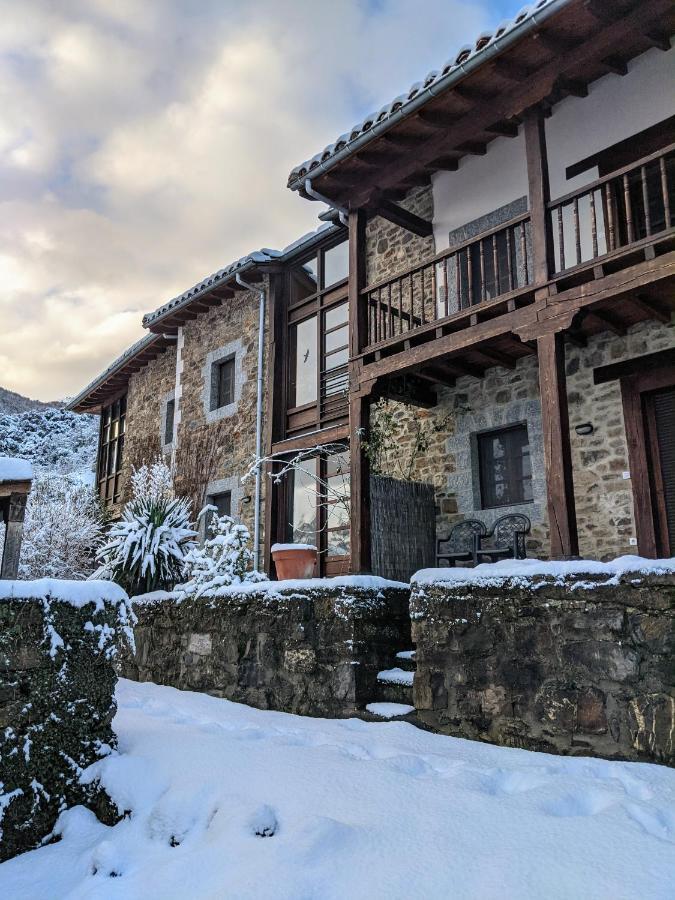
(436, 118)
(9, 568)
(570, 86)
(404, 219)
(539, 195)
(511, 70)
(473, 148)
(616, 65)
(658, 39)
(504, 129)
(496, 358)
(650, 309)
(359, 405)
(557, 450)
(606, 321)
(638, 365)
(459, 367)
(446, 163)
(438, 375)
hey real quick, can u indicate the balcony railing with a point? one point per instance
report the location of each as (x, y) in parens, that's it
(484, 268)
(614, 212)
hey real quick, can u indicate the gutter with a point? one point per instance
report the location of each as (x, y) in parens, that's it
(497, 46)
(258, 416)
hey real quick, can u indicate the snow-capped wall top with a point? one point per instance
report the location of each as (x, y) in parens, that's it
(523, 571)
(470, 55)
(76, 593)
(13, 469)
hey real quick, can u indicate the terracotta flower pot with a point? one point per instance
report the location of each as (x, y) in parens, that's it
(294, 560)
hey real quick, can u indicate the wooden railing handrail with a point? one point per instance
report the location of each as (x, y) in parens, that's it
(445, 254)
(599, 182)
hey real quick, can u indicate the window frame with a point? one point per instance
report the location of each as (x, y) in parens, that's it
(513, 476)
(217, 368)
(112, 434)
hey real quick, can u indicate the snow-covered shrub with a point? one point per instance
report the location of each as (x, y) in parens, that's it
(62, 528)
(145, 551)
(54, 440)
(224, 559)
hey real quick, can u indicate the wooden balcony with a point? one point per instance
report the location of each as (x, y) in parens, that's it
(617, 221)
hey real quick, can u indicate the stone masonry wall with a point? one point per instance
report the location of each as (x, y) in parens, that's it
(585, 670)
(313, 651)
(58, 643)
(216, 448)
(146, 392)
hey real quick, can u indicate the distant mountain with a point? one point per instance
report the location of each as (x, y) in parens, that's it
(15, 403)
(52, 438)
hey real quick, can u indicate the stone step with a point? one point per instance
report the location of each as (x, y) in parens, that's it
(395, 686)
(405, 659)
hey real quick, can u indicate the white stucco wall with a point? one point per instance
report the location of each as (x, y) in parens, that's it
(616, 107)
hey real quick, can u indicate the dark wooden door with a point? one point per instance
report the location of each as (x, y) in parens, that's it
(660, 414)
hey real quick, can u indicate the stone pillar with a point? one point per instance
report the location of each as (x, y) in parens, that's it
(14, 513)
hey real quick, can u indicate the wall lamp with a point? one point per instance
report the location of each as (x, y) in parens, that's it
(584, 429)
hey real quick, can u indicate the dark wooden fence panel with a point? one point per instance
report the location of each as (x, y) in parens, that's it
(403, 527)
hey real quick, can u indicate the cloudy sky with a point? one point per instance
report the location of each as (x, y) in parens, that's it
(146, 143)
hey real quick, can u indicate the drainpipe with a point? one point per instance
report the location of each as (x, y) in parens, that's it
(315, 195)
(258, 416)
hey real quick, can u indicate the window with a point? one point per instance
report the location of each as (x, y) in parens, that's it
(335, 264)
(222, 383)
(504, 466)
(222, 502)
(303, 383)
(319, 504)
(168, 421)
(111, 450)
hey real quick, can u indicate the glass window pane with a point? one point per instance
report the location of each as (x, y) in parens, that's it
(304, 365)
(337, 338)
(505, 467)
(303, 503)
(336, 315)
(224, 383)
(339, 358)
(336, 264)
(168, 427)
(337, 542)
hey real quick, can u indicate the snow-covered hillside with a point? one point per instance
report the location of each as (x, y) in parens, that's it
(53, 439)
(10, 402)
(228, 801)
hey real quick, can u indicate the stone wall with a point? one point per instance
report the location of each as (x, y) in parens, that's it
(216, 448)
(549, 666)
(145, 400)
(58, 642)
(313, 650)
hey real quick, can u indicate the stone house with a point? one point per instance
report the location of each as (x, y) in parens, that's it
(500, 264)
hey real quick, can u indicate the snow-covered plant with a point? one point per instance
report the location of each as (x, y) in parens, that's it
(62, 528)
(146, 550)
(224, 559)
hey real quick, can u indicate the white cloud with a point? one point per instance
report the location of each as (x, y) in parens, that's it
(146, 144)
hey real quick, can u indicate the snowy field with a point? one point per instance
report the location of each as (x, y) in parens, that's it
(229, 801)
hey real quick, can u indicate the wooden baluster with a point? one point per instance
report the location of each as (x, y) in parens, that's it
(458, 279)
(412, 302)
(609, 206)
(629, 210)
(523, 250)
(481, 256)
(423, 295)
(390, 326)
(446, 300)
(561, 237)
(645, 199)
(469, 269)
(495, 265)
(508, 258)
(434, 289)
(594, 225)
(577, 233)
(664, 192)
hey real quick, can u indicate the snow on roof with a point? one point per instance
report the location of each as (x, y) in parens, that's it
(146, 341)
(76, 593)
(12, 469)
(522, 571)
(453, 70)
(251, 260)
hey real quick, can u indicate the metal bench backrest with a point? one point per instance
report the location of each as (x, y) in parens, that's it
(461, 537)
(509, 530)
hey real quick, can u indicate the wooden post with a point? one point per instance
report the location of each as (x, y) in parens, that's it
(557, 451)
(359, 403)
(539, 195)
(14, 516)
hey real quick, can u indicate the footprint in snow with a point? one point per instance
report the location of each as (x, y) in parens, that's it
(264, 823)
(658, 823)
(514, 781)
(590, 803)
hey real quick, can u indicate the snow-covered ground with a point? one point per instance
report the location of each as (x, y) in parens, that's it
(229, 801)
